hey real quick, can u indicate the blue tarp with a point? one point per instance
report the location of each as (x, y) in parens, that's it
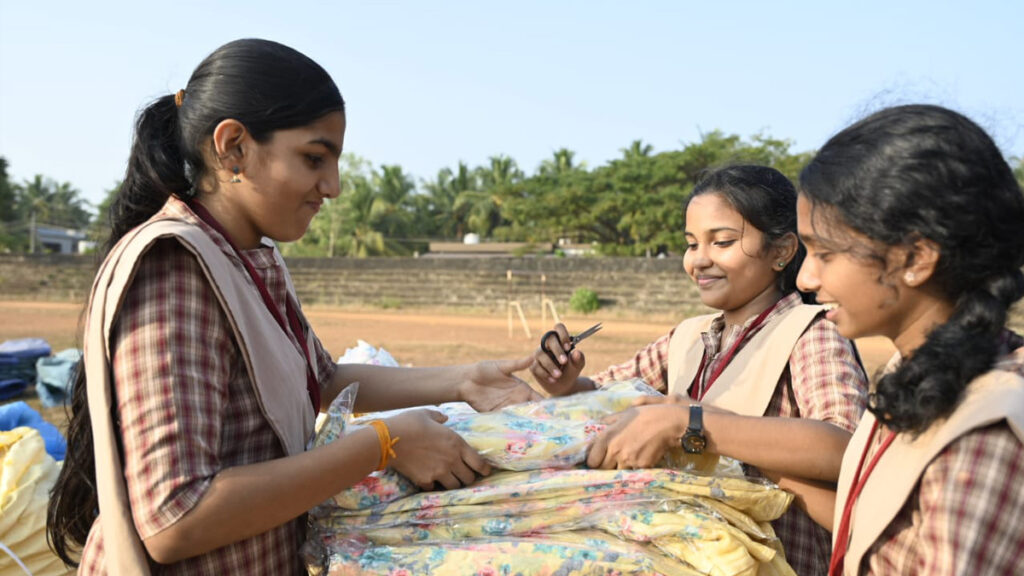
(18, 364)
(18, 414)
(56, 376)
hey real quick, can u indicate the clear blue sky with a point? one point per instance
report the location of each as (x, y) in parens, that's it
(431, 83)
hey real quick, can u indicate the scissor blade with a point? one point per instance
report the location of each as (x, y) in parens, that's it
(588, 332)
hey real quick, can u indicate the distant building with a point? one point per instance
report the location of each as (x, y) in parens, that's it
(57, 240)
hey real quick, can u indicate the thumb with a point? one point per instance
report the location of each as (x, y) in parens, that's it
(511, 366)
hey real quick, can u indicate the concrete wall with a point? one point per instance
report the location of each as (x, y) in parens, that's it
(644, 286)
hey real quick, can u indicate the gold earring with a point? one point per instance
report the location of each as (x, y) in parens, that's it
(235, 179)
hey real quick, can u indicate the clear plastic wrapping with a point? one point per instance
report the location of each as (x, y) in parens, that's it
(543, 514)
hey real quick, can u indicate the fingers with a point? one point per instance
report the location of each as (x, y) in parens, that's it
(475, 463)
(437, 416)
(598, 449)
(510, 367)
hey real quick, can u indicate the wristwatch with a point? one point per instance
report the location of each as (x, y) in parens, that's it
(693, 440)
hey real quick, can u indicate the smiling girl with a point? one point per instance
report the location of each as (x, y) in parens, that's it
(783, 389)
(187, 444)
(914, 225)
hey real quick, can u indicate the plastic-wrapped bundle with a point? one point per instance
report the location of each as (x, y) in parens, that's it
(27, 473)
(538, 517)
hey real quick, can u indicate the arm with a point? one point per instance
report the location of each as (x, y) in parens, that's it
(816, 498)
(485, 385)
(640, 436)
(244, 501)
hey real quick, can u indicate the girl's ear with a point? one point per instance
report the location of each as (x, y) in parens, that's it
(784, 249)
(920, 260)
(230, 144)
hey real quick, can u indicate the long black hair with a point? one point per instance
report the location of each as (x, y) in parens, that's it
(923, 172)
(766, 199)
(264, 85)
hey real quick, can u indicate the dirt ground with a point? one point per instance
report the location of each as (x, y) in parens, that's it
(419, 338)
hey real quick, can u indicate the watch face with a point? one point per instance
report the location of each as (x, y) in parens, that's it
(694, 443)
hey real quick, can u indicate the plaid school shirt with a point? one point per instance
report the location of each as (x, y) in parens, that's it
(964, 515)
(823, 381)
(187, 407)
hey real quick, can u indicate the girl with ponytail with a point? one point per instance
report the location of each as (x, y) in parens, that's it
(201, 377)
(914, 226)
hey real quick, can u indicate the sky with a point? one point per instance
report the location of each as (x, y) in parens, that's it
(430, 83)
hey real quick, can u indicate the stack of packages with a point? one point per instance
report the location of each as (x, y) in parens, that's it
(543, 513)
(18, 364)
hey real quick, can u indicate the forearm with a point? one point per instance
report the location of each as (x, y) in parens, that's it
(387, 388)
(244, 501)
(799, 447)
(815, 497)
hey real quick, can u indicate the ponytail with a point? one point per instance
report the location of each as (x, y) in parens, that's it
(156, 169)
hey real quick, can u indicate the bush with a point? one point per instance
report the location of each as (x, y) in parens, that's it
(584, 300)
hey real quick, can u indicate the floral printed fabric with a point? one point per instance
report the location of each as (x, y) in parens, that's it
(541, 520)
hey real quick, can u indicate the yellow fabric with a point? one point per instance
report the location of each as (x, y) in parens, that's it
(27, 473)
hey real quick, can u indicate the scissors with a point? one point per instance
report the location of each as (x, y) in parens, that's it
(573, 341)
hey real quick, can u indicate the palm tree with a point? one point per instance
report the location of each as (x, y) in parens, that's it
(483, 207)
(559, 163)
(637, 149)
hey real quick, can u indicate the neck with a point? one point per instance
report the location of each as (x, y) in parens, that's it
(920, 323)
(755, 306)
(244, 237)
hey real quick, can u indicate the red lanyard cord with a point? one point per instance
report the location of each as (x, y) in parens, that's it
(698, 393)
(835, 567)
(312, 386)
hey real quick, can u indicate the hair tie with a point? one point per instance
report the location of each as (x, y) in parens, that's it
(179, 97)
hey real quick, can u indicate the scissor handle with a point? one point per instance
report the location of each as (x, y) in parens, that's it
(544, 345)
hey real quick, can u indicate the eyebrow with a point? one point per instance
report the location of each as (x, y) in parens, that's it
(713, 231)
(327, 144)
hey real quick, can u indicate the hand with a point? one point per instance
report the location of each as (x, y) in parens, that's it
(491, 385)
(557, 378)
(429, 452)
(638, 437)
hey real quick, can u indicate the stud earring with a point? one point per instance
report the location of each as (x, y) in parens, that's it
(909, 277)
(235, 179)
(781, 264)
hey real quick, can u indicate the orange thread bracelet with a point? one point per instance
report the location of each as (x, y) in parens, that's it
(387, 443)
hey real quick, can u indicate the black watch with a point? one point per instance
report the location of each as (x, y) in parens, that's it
(693, 440)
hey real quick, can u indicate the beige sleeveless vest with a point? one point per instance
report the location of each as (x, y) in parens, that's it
(275, 366)
(747, 384)
(997, 395)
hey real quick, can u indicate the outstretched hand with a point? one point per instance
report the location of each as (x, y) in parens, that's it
(491, 385)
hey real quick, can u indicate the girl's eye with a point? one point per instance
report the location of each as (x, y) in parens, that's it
(314, 160)
(724, 243)
(823, 256)
(691, 246)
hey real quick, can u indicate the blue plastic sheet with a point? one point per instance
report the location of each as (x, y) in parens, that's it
(18, 414)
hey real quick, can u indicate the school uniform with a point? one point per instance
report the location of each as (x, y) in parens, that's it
(947, 501)
(203, 378)
(795, 365)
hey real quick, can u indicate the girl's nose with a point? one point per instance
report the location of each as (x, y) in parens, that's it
(807, 279)
(330, 186)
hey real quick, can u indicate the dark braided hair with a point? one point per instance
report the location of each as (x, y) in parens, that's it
(923, 172)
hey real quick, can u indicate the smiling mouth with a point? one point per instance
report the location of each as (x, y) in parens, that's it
(705, 281)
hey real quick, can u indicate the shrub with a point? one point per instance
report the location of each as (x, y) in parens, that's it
(584, 300)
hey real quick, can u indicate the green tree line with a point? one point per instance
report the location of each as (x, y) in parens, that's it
(630, 206)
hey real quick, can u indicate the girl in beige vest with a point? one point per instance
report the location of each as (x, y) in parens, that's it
(771, 381)
(914, 225)
(187, 445)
